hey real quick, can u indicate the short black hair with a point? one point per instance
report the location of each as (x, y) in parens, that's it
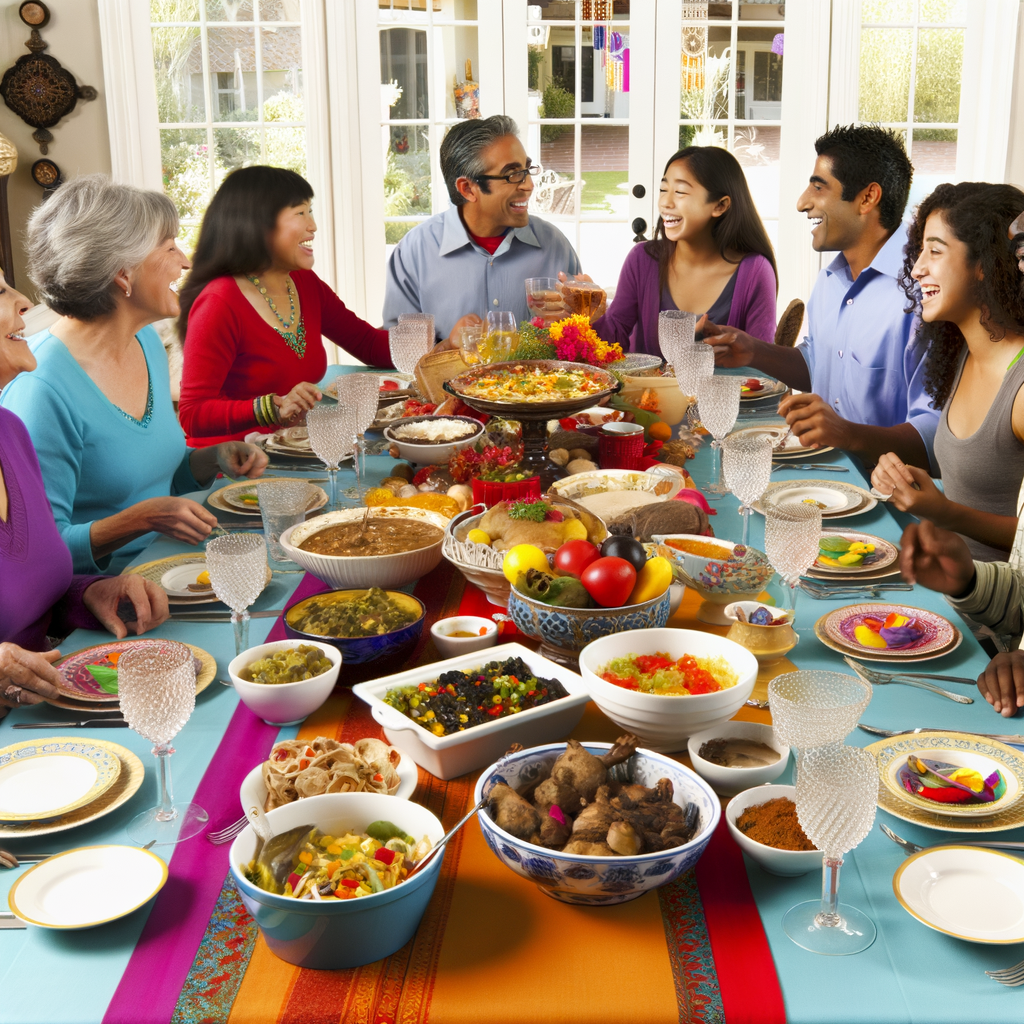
(864, 153)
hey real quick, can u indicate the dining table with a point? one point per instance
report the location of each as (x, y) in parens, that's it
(708, 947)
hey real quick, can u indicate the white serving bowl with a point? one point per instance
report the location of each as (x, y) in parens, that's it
(357, 572)
(598, 881)
(450, 756)
(432, 454)
(664, 722)
(775, 862)
(332, 934)
(729, 781)
(449, 646)
(284, 703)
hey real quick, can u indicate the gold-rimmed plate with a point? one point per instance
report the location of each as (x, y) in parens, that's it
(847, 626)
(862, 653)
(127, 784)
(230, 498)
(836, 499)
(156, 572)
(884, 555)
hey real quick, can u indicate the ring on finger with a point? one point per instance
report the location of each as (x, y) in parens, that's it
(13, 693)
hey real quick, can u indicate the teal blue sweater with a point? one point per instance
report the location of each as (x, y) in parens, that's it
(95, 459)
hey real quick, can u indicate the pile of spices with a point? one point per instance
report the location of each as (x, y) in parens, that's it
(774, 824)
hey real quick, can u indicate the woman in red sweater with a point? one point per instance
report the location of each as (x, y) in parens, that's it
(253, 311)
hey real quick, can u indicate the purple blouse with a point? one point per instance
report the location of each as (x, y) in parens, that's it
(39, 595)
(632, 318)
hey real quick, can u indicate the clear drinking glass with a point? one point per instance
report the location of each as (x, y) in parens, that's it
(330, 437)
(469, 342)
(409, 341)
(361, 392)
(719, 402)
(237, 564)
(501, 337)
(427, 319)
(283, 503)
(815, 708)
(676, 331)
(544, 299)
(792, 533)
(692, 364)
(156, 684)
(836, 797)
(747, 465)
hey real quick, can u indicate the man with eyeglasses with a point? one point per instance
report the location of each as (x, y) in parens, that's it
(475, 257)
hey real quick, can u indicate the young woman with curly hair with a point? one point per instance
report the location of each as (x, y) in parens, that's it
(961, 272)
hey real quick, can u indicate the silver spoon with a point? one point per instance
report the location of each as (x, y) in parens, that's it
(274, 859)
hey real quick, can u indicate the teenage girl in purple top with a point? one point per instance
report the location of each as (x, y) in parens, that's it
(39, 594)
(710, 255)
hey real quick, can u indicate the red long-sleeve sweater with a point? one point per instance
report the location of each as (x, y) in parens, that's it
(232, 355)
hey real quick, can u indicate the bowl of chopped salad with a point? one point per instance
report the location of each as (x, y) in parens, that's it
(666, 684)
(457, 715)
(351, 895)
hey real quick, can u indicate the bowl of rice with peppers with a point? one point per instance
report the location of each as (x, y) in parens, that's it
(663, 685)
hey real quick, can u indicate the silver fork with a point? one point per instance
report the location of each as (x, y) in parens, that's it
(1011, 977)
(229, 832)
(881, 679)
(819, 592)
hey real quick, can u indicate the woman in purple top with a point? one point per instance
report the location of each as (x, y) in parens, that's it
(710, 255)
(39, 595)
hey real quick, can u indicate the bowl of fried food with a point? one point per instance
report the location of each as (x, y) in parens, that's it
(364, 625)
(385, 546)
(285, 681)
(595, 824)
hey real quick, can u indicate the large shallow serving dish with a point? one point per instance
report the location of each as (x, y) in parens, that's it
(333, 934)
(449, 756)
(362, 571)
(432, 454)
(598, 881)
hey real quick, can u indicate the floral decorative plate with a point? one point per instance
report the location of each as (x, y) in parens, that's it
(884, 555)
(892, 630)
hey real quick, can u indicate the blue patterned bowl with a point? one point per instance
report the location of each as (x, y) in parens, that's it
(564, 632)
(598, 881)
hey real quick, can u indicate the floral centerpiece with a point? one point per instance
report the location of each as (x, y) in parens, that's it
(571, 339)
(494, 473)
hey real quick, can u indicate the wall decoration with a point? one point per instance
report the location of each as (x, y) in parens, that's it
(8, 165)
(36, 87)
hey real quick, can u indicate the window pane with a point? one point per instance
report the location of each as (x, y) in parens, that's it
(235, 147)
(229, 10)
(185, 166)
(407, 170)
(403, 60)
(719, 12)
(173, 10)
(286, 147)
(232, 56)
(465, 10)
(604, 155)
(934, 159)
(456, 47)
(757, 150)
(943, 12)
(884, 73)
(762, 10)
(554, 191)
(759, 74)
(717, 70)
(940, 58)
(282, 74)
(875, 11)
(178, 67)
(280, 10)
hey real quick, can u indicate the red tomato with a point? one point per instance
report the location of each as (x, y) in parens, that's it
(609, 581)
(574, 556)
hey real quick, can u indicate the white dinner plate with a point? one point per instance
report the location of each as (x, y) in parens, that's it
(41, 779)
(253, 791)
(964, 891)
(87, 887)
(834, 499)
(176, 581)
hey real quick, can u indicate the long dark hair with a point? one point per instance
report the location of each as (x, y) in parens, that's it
(235, 234)
(979, 215)
(738, 230)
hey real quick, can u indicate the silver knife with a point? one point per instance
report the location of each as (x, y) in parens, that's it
(998, 737)
(99, 723)
(821, 466)
(218, 616)
(8, 920)
(32, 858)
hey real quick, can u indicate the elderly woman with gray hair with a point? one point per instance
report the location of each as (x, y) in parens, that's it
(98, 408)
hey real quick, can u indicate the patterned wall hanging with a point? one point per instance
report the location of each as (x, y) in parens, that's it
(36, 87)
(694, 47)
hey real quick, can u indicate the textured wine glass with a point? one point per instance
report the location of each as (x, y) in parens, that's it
(792, 533)
(501, 336)
(330, 437)
(814, 708)
(156, 684)
(470, 338)
(283, 503)
(836, 797)
(409, 341)
(719, 402)
(426, 322)
(361, 392)
(237, 564)
(747, 465)
(675, 333)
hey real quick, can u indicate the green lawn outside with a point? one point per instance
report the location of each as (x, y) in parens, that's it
(598, 185)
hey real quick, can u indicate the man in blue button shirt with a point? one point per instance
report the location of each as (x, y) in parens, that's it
(859, 363)
(476, 256)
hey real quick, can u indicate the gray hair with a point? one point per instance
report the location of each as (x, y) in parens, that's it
(86, 233)
(462, 146)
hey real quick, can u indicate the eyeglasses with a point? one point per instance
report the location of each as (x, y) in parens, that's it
(513, 177)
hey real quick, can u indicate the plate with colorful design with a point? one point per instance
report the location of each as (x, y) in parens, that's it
(847, 552)
(889, 630)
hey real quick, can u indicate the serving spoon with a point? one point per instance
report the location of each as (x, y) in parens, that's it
(275, 855)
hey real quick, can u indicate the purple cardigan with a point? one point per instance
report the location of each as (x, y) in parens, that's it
(39, 595)
(632, 318)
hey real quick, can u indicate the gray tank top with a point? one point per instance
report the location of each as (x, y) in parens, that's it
(984, 471)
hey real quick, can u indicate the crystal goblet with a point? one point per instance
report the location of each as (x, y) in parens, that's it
(408, 342)
(814, 708)
(718, 399)
(425, 319)
(747, 465)
(330, 437)
(692, 364)
(836, 797)
(792, 534)
(283, 503)
(237, 564)
(361, 392)
(156, 684)
(675, 333)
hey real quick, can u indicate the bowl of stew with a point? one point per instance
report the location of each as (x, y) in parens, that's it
(377, 547)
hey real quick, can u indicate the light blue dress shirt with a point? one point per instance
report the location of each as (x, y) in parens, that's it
(862, 349)
(437, 268)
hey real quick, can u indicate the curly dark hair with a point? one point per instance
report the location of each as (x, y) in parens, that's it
(864, 153)
(979, 215)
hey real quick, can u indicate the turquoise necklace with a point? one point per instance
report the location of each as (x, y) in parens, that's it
(294, 339)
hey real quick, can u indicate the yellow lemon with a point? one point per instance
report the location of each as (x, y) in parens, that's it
(573, 530)
(478, 537)
(203, 579)
(521, 558)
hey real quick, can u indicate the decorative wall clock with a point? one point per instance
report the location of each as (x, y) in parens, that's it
(36, 87)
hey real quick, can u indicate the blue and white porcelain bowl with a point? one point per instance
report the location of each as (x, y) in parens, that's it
(564, 632)
(597, 881)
